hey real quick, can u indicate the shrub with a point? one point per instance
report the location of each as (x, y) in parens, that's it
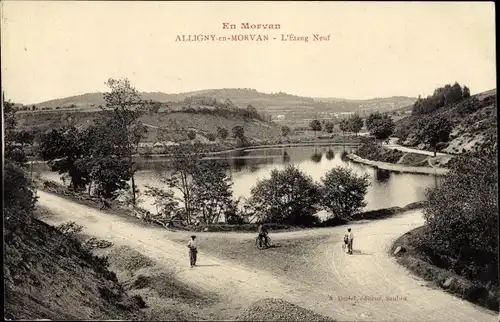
(462, 218)
(289, 196)
(211, 136)
(18, 195)
(191, 135)
(343, 192)
(69, 228)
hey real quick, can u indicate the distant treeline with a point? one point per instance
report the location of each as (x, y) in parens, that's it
(442, 96)
(223, 108)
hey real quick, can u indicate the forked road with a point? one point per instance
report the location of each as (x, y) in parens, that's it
(370, 273)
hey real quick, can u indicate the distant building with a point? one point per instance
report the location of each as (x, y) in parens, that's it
(280, 117)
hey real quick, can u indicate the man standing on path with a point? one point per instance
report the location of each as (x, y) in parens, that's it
(350, 239)
(193, 250)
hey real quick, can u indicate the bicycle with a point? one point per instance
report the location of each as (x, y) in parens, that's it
(261, 244)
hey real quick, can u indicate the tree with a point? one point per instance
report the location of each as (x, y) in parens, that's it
(435, 131)
(285, 130)
(465, 92)
(64, 149)
(110, 175)
(191, 135)
(18, 197)
(289, 196)
(343, 192)
(11, 149)
(18, 191)
(167, 206)
(315, 125)
(222, 133)
(24, 137)
(212, 192)
(108, 161)
(462, 216)
(329, 127)
(441, 97)
(238, 132)
(251, 109)
(182, 171)
(380, 125)
(124, 107)
(344, 126)
(355, 123)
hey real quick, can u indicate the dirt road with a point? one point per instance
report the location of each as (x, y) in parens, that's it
(392, 145)
(369, 272)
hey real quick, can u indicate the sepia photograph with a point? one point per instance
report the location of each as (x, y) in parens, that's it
(249, 161)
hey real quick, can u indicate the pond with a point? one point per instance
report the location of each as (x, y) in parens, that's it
(387, 189)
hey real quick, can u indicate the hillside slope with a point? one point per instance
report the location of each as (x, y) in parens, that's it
(50, 276)
(474, 123)
(164, 125)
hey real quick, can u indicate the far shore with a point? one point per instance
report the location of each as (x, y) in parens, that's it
(248, 148)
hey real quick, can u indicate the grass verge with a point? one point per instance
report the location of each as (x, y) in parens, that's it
(409, 256)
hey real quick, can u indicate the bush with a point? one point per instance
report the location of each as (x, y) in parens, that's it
(462, 218)
(69, 228)
(289, 196)
(18, 195)
(191, 135)
(211, 136)
(343, 192)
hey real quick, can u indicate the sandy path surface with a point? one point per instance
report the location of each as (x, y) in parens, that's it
(393, 145)
(369, 272)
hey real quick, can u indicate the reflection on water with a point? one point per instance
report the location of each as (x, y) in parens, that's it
(387, 189)
(286, 157)
(316, 157)
(382, 175)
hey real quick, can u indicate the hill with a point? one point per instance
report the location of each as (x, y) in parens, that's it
(474, 122)
(171, 123)
(280, 106)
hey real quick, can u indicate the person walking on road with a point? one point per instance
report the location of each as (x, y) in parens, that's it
(345, 244)
(193, 250)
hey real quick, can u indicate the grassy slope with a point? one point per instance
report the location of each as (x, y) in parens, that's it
(175, 124)
(468, 132)
(47, 275)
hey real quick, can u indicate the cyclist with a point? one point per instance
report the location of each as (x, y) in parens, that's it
(263, 234)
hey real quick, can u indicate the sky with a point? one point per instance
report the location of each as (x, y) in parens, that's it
(58, 49)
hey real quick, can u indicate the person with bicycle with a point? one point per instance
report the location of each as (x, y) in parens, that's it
(263, 234)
